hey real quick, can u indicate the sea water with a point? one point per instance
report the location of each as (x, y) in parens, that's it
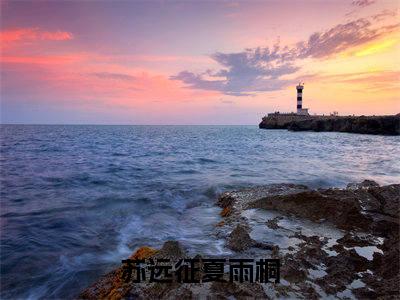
(75, 200)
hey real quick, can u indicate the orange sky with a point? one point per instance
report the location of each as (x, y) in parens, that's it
(195, 63)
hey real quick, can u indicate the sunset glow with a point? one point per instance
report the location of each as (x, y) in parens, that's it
(195, 63)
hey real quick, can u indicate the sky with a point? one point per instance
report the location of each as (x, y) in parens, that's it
(195, 62)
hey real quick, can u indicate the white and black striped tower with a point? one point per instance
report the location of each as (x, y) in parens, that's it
(300, 88)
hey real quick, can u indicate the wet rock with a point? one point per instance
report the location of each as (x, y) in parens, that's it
(366, 214)
(143, 253)
(161, 291)
(352, 240)
(226, 211)
(362, 185)
(171, 250)
(266, 246)
(225, 200)
(389, 198)
(239, 199)
(383, 125)
(112, 285)
(109, 285)
(221, 223)
(273, 223)
(339, 207)
(342, 270)
(227, 290)
(387, 288)
(239, 239)
(293, 271)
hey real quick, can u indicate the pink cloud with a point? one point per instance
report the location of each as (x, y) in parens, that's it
(42, 59)
(33, 34)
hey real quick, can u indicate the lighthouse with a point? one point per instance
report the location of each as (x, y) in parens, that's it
(300, 109)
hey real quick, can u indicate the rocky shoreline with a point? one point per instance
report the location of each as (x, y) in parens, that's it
(382, 125)
(342, 243)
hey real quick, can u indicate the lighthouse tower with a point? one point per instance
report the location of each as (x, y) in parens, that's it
(300, 109)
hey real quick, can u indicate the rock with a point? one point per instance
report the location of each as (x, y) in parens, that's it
(293, 271)
(239, 239)
(225, 200)
(366, 214)
(226, 211)
(351, 240)
(383, 125)
(266, 246)
(220, 224)
(245, 290)
(112, 285)
(171, 250)
(365, 184)
(273, 223)
(280, 121)
(143, 253)
(340, 208)
(389, 198)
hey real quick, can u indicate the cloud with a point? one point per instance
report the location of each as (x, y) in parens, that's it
(253, 70)
(113, 76)
(362, 3)
(43, 59)
(387, 13)
(342, 37)
(372, 81)
(264, 69)
(33, 34)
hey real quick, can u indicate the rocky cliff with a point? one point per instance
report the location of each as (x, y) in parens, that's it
(339, 243)
(383, 125)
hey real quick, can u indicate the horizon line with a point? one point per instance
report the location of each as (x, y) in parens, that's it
(105, 124)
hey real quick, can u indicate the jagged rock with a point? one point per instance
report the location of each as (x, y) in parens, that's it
(171, 250)
(366, 214)
(221, 223)
(273, 223)
(112, 285)
(225, 200)
(364, 184)
(226, 211)
(352, 240)
(293, 271)
(227, 290)
(342, 209)
(388, 196)
(239, 239)
(143, 253)
(383, 125)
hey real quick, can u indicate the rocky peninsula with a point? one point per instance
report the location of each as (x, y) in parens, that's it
(382, 125)
(334, 242)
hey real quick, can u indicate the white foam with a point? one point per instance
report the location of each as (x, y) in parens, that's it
(368, 251)
(357, 283)
(257, 219)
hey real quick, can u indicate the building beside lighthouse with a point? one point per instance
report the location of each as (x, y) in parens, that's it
(300, 110)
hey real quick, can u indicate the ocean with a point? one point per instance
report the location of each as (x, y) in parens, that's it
(75, 200)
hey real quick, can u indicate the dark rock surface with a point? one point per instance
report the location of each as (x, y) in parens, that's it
(338, 243)
(382, 125)
(239, 239)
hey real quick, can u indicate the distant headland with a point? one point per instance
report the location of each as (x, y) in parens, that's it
(303, 121)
